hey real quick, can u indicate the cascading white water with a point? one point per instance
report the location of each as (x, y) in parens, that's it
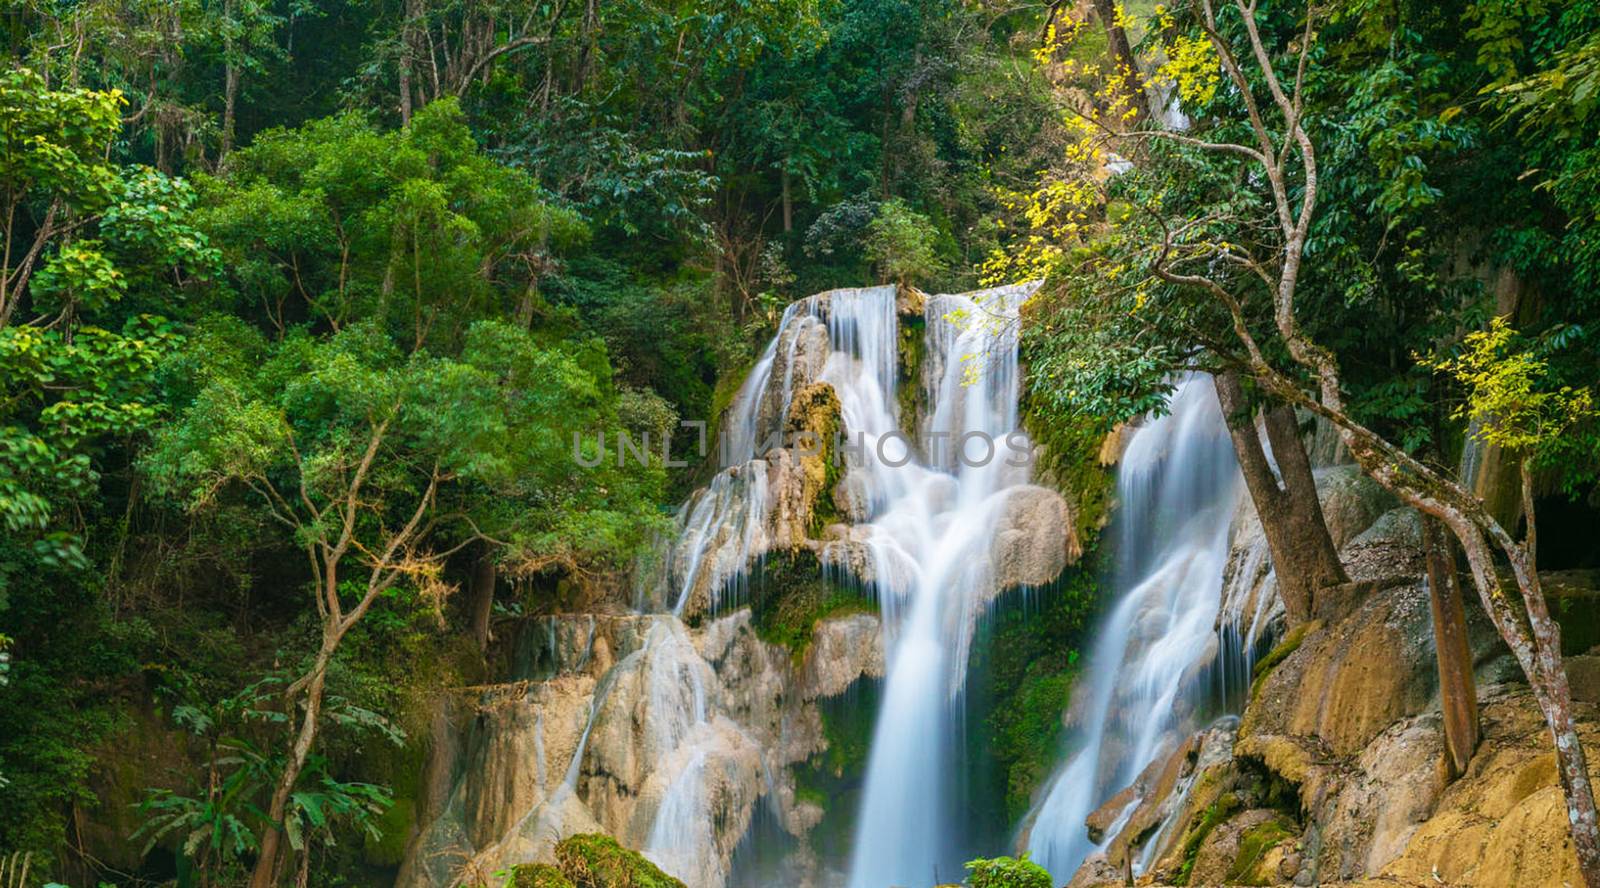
(1178, 487)
(931, 530)
(931, 511)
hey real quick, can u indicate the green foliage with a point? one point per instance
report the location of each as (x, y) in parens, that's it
(1508, 403)
(1007, 872)
(901, 243)
(415, 229)
(53, 145)
(220, 824)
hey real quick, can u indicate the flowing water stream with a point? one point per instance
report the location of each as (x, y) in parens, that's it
(1177, 489)
(931, 500)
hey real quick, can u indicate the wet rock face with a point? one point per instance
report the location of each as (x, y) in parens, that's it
(640, 728)
(1034, 538)
(1347, 718)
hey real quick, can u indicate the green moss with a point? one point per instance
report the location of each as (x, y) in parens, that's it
(1253, 847)
(1024, 661)
(1071, 458)
(833, 779)
(790, 595)
(394, 829)
(1007, 872)
(908, 388)
(727, 386)
(1215, 815)
(1280, 652)
(539, 875)
(816, 410)
(592, 860)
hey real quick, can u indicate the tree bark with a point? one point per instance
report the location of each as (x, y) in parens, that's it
(1303, 557)
(788, 206)
(230, 86)
(265, 874)
(483, 583)
(408, 58)
(1458, 690)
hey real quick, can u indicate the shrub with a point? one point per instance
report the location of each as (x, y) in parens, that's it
(1007, 872)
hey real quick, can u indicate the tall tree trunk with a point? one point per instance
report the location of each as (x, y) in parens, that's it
(230, 84)
(483, 583)
(788, 205)
(265, 874)
(1458, 690)
(1127, 78)
(1303, 557)
(408, 58)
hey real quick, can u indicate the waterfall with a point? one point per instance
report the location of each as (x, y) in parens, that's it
(928, 507)
(1178, 487)
(930, 536)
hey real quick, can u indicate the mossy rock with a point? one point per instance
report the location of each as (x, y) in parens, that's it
(791, 594)
(816, 410)
(1069, 461)
(539, 875)
(593, 860)
(913, 348)
(1249, 867)
(1280, 652)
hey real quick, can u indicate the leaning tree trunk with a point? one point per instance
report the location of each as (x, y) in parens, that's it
(1303, 556)
(1458, 690)
(265, 874)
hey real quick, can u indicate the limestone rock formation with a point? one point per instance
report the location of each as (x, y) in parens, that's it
(637, 727)
(1034, 538)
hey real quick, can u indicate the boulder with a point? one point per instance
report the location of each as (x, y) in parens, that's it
(1033, 538)
(1388, 792)
(1389, 551)
(1245, 849)
(843, 650)
(1173, 791)
(1351, 501)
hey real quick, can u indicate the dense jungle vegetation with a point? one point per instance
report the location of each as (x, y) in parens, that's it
(302, 302)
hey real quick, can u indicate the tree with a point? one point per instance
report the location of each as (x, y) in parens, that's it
(900, 242)
(340, 220)
(53, 178)
(1303, 558)
(356, 451)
